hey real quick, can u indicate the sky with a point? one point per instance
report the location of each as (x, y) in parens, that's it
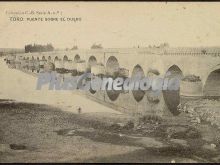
(113, 24)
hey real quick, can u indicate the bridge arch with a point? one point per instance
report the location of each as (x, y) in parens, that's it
(91, 62)
(65, 58)
(49, 58)
(172, 97)
(56, 58)
(112, 66)
(76, 58)
(212, 83)
(112, 94)
(112, 70)
(43, 58)
(138, 94)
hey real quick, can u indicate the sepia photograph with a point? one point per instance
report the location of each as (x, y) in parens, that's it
(109, 82)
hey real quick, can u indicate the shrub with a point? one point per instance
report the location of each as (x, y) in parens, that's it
(191, 78)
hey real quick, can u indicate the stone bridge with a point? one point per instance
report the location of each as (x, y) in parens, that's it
(199, 69)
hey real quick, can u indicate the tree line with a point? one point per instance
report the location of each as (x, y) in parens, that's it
(38, 48)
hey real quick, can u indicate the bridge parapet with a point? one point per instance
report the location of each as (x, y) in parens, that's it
(193, 51)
